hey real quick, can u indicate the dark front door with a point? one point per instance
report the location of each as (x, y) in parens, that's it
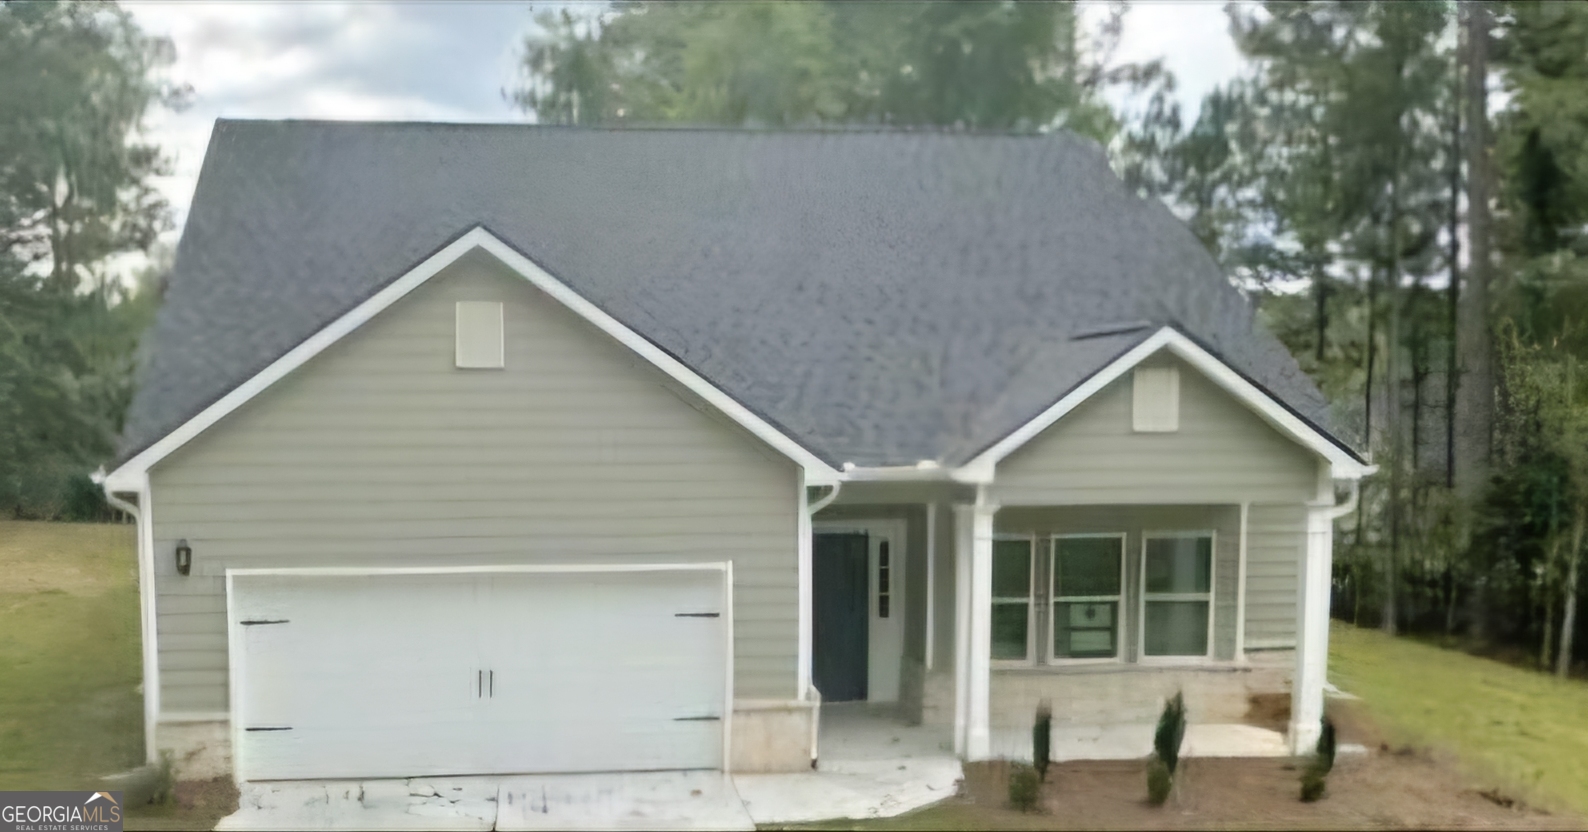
(840, 616)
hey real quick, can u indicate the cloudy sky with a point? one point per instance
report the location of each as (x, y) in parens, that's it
(450, 61)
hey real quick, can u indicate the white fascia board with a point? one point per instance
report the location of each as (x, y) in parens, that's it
(1343, 464)
(817, 472)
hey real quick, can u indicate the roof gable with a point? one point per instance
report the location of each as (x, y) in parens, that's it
(880, 298)
(130, 472)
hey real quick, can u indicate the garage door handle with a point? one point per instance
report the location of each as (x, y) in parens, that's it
(696, 614)
(479, 684)
(493, 684)
(697, 719)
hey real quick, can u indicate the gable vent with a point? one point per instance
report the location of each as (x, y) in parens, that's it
(479, 341)
(1155, 403)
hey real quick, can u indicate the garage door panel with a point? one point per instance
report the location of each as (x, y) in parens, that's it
(376, 675)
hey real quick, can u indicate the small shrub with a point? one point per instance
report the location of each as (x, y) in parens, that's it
(1159, 781)
(1312, 784)
(1171, 732)
(163, 787)
(1166, 742)
(1314, 777)
(1041, 736)
(1025, 786)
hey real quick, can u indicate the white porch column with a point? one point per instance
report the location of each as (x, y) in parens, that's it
(963, 537)
(973, 538)
(1312, 630)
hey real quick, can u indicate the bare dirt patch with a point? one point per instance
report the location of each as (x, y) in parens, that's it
(1375, 791)
(194, 804)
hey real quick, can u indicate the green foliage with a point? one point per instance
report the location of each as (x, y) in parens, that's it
(1159, 782)
(1170, 733)
(983, 65)
(1041, 739)
(76, 187)
(1314, 777)
(1025, 787)
(85, 501)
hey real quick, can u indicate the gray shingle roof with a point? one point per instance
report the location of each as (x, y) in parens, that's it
(882, 297)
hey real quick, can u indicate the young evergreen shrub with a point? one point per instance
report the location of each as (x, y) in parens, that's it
(1166, 750)
(1025, 787)
(1171, 732)
(1314, 777)
(1159, 781)
(1041, 737)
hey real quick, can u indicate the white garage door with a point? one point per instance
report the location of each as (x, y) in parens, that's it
(407, 675)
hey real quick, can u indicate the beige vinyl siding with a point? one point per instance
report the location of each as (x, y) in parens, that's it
(1276, 545)
(1134, 521)
(380, 452)
(1221, 453)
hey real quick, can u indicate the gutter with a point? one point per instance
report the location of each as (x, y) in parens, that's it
(1349, 505)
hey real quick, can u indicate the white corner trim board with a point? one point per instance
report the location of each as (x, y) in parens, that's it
(129, 474)
(1345, 466)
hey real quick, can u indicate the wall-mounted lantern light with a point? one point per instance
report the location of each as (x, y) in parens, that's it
(184, 557)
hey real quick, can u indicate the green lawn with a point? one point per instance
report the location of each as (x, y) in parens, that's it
(1527, 728)
(70, 708)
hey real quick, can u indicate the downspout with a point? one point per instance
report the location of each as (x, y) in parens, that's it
(827, 500)
(146, 628)
(1349, 505)
(809, 693)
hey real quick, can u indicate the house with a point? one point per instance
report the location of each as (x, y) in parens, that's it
(503, 448)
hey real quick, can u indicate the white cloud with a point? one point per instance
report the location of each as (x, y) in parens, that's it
(450, 61)
(421, 61)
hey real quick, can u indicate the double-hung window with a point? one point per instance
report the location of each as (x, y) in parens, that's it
(1012, 566)
(1087, 575)
(1177, 594)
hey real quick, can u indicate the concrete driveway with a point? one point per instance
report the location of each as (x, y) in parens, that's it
(705, 800)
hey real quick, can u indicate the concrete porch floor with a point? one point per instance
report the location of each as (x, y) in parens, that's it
(1133, 741)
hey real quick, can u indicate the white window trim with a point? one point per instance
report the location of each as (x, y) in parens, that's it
(1030, 659)
(1053, 599)
(1211, 597)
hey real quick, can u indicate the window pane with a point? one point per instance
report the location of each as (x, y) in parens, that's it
(1179, 564)
(1011, 569)
(1009, 622)
(1177, 628)
(1085, 630)
(1086, 566)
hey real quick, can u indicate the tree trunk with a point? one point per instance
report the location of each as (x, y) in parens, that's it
(1320, 295)
(1393, 429)
(1568, 623)
(1475, 395)
(1453, 291)
(1549, 609)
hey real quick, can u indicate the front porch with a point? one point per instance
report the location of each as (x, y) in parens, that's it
(988, 630)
